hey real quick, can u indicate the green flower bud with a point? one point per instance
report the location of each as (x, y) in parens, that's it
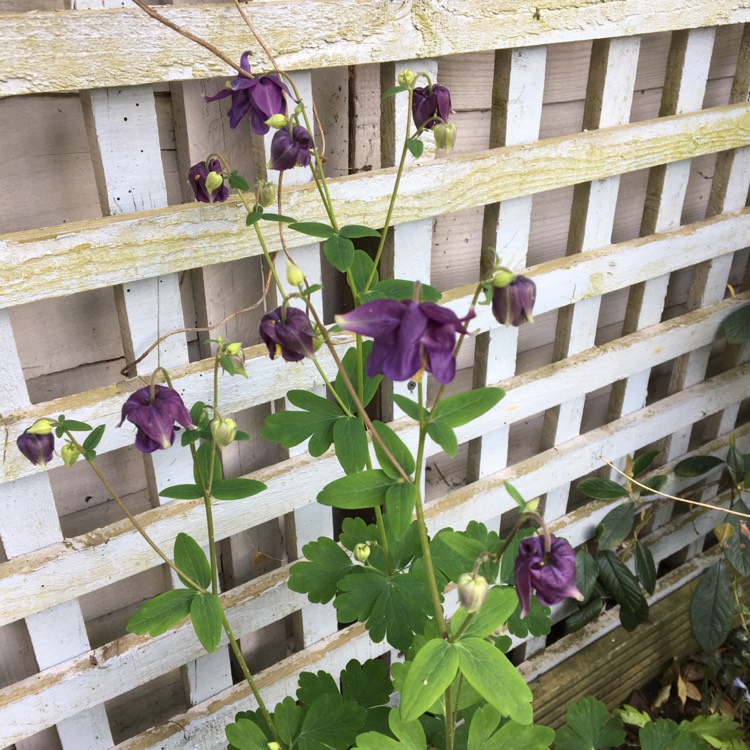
(532, 505)
(406, 78)
(69, 453)
(234, 349)
(265, 193)
(274, 746)
(41, 427)
(277, 121)
(445, 136)
(472, 592)
(223, 431)
(294, 274)
(214, 181)
(502, 278)
(361, 552)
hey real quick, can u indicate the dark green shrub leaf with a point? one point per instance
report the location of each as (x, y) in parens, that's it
(587, 572)
(602, 489)
(339, 251)
(736, 465)
(350, 441)
(182, 492)
(192, 561)
(396, 448)
(615, 526)
(655, 484)
(583, 616)
(645, 567)
(697, 465)
(318, 575)
(736, 327)
(737, 547)
(462, 408)
(236, 489)
(355, 231)
(616, 578)
(205, 612)
(432, 670)
(363, 490)
(643, 462)
(712, 607)
(161, 613)
(415, 146)
(588, 726)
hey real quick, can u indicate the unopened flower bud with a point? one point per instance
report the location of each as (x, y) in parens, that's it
(513, 303)
(223, 431)
(274, 746)
(265, 193)
(69, 453)
(277, 121)
(234, 349)
(532, 505)
(41, 427)
(294, 274)
(406, 78)
(502, 278)
(214, 180)
(472, 592)
(361, 552)
(445, 136)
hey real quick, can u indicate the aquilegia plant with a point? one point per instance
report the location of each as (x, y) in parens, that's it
(456, 687)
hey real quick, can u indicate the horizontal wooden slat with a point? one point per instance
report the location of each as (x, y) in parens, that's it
(118, 667)
(559, 282)
(62, 571)
(54, 262)
(57, 51)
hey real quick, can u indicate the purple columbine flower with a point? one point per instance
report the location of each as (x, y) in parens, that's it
(429, 102)
(514, 302)
(155, 418)
(288, 333)
(407, 337)
(37, 448)
(289, 149)
(262, 97)
(552, 576)
(197, 175)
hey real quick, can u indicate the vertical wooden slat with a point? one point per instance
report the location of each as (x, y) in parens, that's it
(608, 100)
(518, 86)
(124, 141)
(29, 521)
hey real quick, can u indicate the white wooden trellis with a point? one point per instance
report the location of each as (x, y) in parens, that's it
(138, 250)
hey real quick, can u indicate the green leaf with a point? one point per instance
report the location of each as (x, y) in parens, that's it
(645, 567)
(400, 289)
(409, 407)
(355, 231)
(719, 731)
(584, 615)
(238, 182)
(537, 622)
(602, 489)
(361, 269)
(520, 737)
(314, 684)
(643, 462)
(735, 465)
(632, 716)
(254, 216)
(589, 727)
(484, 722)
(490, 673)
(400, 501)
(350, 441)
(664, 734)
(93, 438)
(339, 251)
(393, 607)
(462, 408)
(737, 548)
(499, 605)
(363, 490)
(712, 607)
(243, 734)
(182, 492)
(205, 612)
(191, 560)
(315, 420)
(202, 465)
(313, 403)
(616, 525)
(366, 684)
(432, 670)
(415, 146)
(355, 531)
(369, 385)
(236, 489)
(586, 573)
(313, 228)
(736, 326)
(73, 426)
(287, 717)
(319, 574)
(619, 581)
(396, 447)
(443, 436)
(516, 495)
(655, 484)
(278, 217)
(697, 465)
(393, 90)
(161, 613)
(330, 724)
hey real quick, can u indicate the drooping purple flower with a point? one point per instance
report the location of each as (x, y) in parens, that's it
(197, 175)
(429, 102)
(552, 576)
(261, 97)
(289, 149)
(514, 303)
(155, 418)
(288, 333)
(407, 337)
(37, 448)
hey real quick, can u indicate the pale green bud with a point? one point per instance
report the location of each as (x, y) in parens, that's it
(265, 193)
(445, 136)
(277, 121)
(532, 505)
(472, 592)
(406, 78)
(223, 431)
(294, 274)
(502, 278)
(41, 427)
(234, 349)
(213, 181)
(69, 453)
(361, 552)
(274, 746)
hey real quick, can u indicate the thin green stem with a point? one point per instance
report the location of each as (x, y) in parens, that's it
(330, 387)
(383, 539)
(449, 723)
(392, 204)
(461, 629)
(207, 504)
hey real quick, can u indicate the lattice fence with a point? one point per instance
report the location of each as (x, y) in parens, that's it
(605, 145)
